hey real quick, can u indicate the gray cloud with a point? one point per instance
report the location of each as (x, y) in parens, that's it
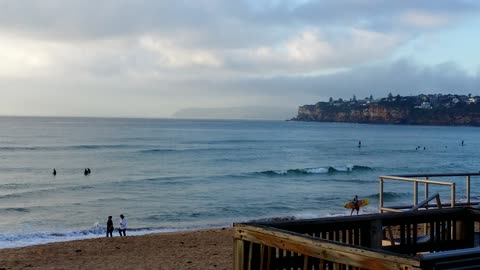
(116, 96)
(151, 58)
(219, 20)
(228, 32)
(401, 77)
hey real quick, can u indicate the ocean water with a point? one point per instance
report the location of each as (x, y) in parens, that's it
(170, 175)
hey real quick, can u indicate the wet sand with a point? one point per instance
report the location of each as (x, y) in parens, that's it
(202, 249)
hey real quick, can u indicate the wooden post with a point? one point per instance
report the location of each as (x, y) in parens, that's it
(262, 256)
(426, 192)
(305, 262)
(466, 232)
(425, 227)
(269, 258)
(238, 248)
(468, 190)
(250, 255)
(439, 203)
(321, 265)
(470, 229)
(380, 195)
(452, 195)
(415, 193)
(376, 234)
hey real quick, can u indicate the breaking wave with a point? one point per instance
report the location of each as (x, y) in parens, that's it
(319, 170)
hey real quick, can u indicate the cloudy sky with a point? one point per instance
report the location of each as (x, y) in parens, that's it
(151, 58)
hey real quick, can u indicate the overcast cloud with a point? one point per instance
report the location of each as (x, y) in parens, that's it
(152, 58)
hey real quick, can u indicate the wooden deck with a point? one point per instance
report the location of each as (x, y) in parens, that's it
(425, 239)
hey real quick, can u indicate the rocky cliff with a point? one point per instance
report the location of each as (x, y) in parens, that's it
(388, 113)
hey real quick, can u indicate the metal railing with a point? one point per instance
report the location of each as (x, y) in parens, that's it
(414, 178)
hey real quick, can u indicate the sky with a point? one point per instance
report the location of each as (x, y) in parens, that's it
(153, 58)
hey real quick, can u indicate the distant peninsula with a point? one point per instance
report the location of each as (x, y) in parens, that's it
(433, 109)
(244, 113)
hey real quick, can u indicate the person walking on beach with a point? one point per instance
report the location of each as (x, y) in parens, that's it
(123, 225)
(109, 226)
(356, 205)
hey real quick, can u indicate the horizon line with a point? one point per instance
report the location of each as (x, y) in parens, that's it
(136, 117)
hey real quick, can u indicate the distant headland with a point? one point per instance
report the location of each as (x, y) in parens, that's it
(434, 109)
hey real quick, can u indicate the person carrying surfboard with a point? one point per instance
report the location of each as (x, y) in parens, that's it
(355, 205)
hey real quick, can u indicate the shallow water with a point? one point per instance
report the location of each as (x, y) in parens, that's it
(168, 175)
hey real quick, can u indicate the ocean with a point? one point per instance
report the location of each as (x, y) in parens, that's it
(172, 175)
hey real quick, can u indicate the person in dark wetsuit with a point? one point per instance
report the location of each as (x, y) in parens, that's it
(110, 226)
(85, 172)
(356, 205)
(359, 144)
(54, 172)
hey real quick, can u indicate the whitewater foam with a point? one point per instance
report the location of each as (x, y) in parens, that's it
(318, 170)
(31, 239)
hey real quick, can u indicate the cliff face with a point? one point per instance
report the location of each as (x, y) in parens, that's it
(384, 114)
(368, 114)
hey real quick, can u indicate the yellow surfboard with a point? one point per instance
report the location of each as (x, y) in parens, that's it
(361, 203)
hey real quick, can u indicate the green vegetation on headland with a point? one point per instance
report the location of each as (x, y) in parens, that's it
(411, 110)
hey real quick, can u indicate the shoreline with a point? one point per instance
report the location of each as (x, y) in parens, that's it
(197, 249)
(42, 238)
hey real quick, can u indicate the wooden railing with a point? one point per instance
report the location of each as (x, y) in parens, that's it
(427, 182)
(425, 202)
(463, 259)
(257, 247)
(358, 242)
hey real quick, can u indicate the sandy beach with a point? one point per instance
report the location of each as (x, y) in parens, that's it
(201, 249)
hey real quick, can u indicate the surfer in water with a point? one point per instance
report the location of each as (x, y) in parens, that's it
(359, 144)
(54, 172)
(356, 205)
